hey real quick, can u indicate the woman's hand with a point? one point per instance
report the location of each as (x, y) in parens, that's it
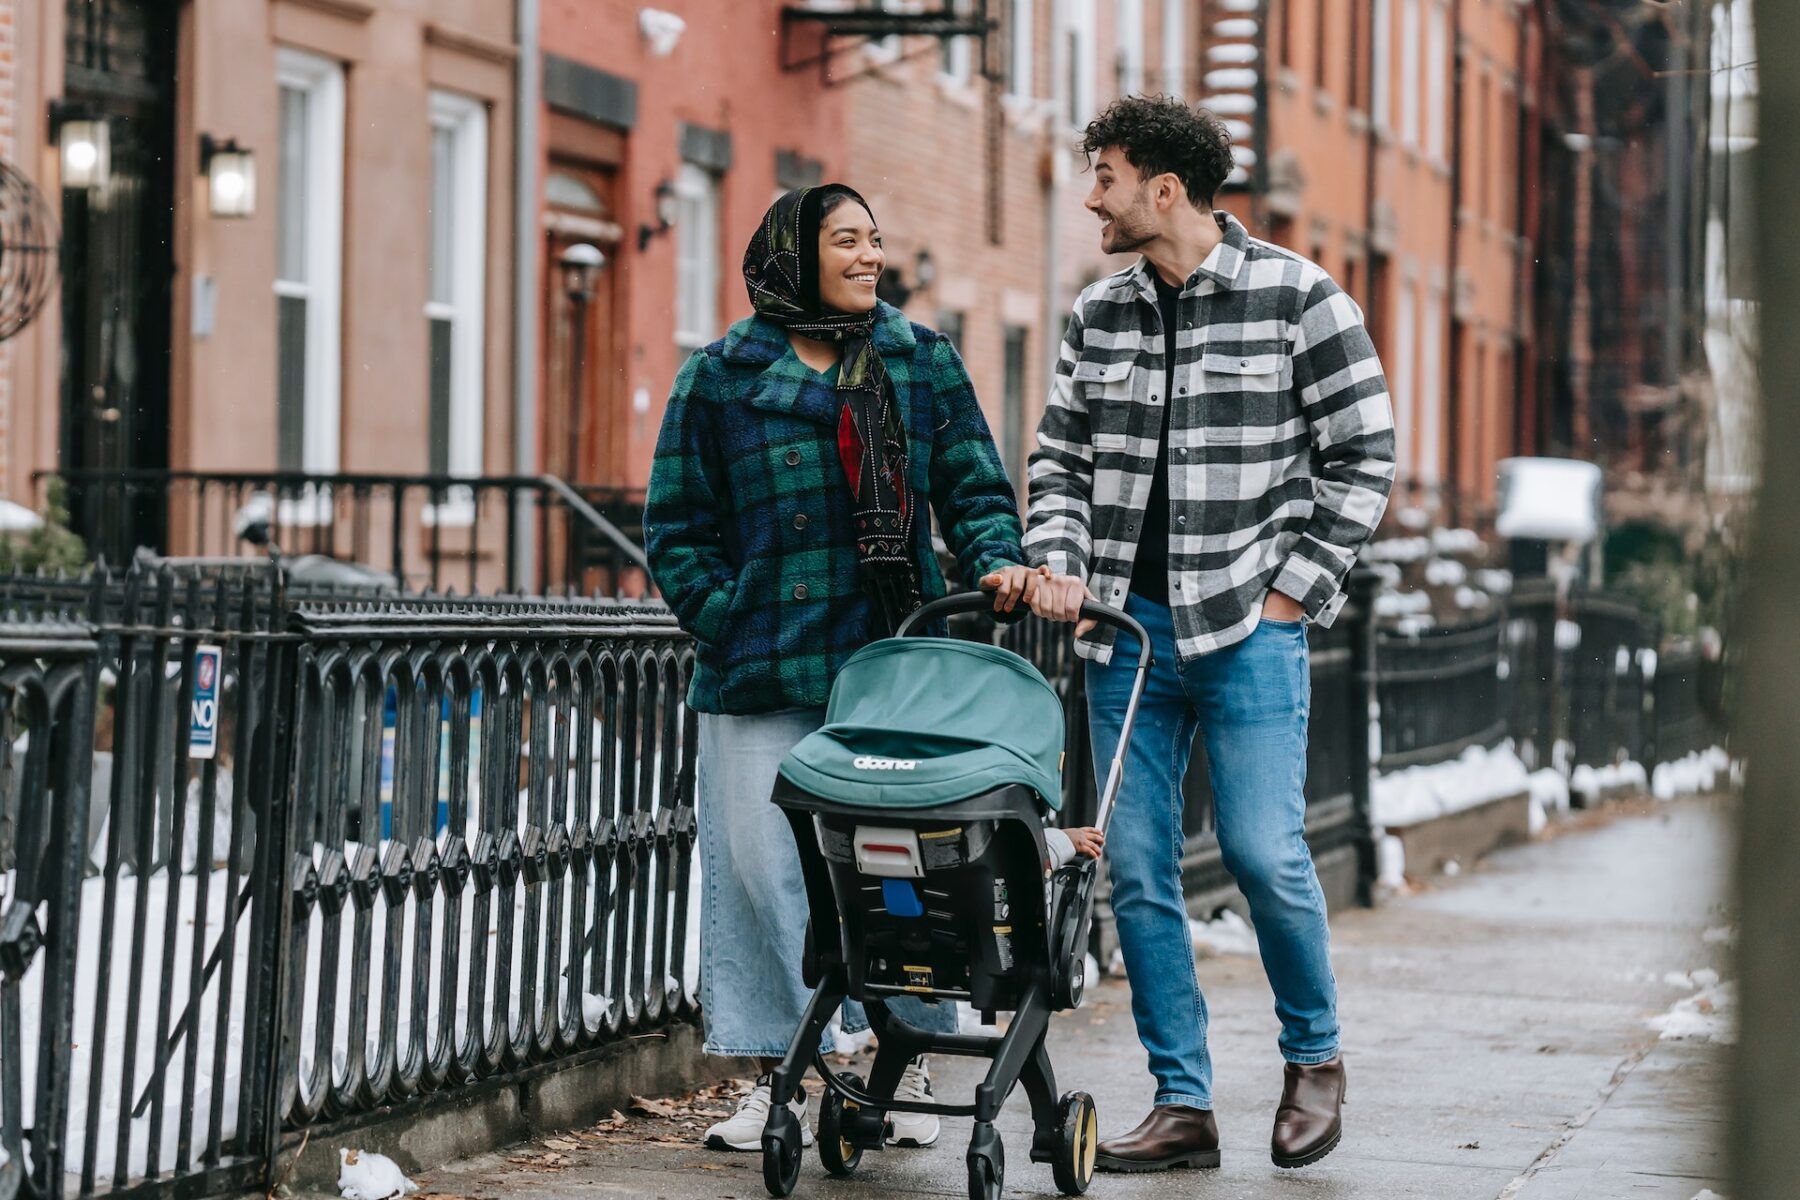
(1013, 584)
(1059, 598)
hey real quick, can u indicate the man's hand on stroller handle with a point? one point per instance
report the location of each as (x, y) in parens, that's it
(1059, 598)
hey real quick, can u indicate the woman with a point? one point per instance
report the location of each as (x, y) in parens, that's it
(786, 529)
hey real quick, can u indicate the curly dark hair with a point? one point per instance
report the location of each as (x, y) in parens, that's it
(1163, 135)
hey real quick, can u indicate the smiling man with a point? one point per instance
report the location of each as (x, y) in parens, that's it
(1216, 447)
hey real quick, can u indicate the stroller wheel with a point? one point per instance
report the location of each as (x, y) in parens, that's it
(1078, 1134)
(836, 1153)
(987, 1164)
(781, 1152)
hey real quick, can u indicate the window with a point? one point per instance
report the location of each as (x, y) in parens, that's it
(1012, 439)
(308, 231)
(950, 324)
(1130, 72)
(1020, 43)
(696, 257)
(957, 54)
(1437, 66)
(1079, 39)
(1409, 72)
(1174, 47)
(1321, 29)
(1381, 98)
(454, 311)
(1405, 424)
(1431, 392)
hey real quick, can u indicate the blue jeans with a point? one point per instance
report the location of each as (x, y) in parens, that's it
(753, 909)
(1250, 701)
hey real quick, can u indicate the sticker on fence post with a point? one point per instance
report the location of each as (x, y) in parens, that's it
(203, 717)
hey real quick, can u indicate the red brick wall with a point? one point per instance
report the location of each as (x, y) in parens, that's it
(8, 152)
(725, 73)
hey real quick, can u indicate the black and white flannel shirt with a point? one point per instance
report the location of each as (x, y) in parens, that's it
(1281, 441)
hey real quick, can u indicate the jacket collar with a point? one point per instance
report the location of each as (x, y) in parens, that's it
(757, 341)
(1224, 266)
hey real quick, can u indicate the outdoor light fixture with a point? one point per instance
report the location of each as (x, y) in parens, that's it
(581, 266)
(665, 214)
(84, 144)
(230, 172)
(924, 270)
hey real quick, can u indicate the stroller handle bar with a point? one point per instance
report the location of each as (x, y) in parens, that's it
(966, 602)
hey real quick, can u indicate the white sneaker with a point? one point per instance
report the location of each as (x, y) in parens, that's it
(908, 1128)
(743, 1129)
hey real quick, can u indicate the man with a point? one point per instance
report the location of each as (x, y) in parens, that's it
(1217, 445)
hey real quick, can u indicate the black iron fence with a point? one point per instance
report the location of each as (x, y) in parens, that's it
(269, 865)
(515, 534)
(273, 862)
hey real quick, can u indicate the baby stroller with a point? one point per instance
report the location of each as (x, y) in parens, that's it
(919, 811)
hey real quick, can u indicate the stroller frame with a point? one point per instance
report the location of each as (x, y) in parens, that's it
(853, 1118)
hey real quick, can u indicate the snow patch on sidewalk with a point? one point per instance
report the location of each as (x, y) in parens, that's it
(1225, 934)
(1710, 1014)
(1696, 773)
(1590, 783)
(1477, 776)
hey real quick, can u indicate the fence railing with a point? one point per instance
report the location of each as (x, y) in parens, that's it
(419, 845)
(517, 534)
(436, 844)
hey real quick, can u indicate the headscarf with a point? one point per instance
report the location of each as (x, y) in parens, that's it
(781, 271)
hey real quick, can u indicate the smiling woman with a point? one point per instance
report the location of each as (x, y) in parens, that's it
(785, 526)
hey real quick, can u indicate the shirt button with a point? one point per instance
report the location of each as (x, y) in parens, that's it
(799, 520)
(1243, 362)
(799, 591)
(1181, 520)
(1153, 397)
(1181, 391)
(793, 458)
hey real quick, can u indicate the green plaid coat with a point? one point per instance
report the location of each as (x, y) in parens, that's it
(749, 519)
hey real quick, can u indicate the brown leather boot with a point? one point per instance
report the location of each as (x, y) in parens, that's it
(1311, 1117)
(1173, 1135)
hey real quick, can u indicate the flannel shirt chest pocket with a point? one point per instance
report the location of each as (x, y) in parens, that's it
(1111, 391)
(1248, 395)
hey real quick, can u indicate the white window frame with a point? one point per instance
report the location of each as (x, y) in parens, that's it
(1410, 45)
(1381, 84)
(465, 118)
(1437, 65)
(1174, 48)
(1019, 81)
(322, 80)
(1431, 393)
(696, 188)
(1130, 52)
(1083, 61)
(1405, 376)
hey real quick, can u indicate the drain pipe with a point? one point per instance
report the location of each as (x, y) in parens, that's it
(525, 281)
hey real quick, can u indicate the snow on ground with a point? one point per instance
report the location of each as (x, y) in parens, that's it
(1477, 776)
(1710, 1014)
(1225, 934)
(1590, 783)
(364, 1175)
(1698, 772)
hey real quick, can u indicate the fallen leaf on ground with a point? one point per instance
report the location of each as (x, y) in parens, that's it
(651, 1107)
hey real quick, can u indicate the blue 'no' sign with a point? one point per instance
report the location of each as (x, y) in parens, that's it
(203, 716)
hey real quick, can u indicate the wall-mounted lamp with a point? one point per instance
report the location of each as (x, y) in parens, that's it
(892, 286)
(230, 172)
(665, 215)
(83, 144)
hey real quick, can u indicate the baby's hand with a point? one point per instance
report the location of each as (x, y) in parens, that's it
(1087, 841)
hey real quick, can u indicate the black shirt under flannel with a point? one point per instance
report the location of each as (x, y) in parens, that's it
(1280, 441)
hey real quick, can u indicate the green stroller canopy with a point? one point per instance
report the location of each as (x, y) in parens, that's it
(916, 721)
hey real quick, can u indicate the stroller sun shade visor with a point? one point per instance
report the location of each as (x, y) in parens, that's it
(915, 722)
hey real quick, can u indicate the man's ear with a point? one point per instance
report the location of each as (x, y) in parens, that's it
(1169, 190)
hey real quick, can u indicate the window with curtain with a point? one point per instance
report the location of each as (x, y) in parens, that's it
(1174, 48)
(453, 309)
(1079, 37)
(1381, 95)
(1020, 45)
(1130, 65)
(696, 257)
(1437, 71)
(309, 202)
(1409, 72)
(956, 55)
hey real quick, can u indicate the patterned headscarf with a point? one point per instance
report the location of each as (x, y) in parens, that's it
(781, 271)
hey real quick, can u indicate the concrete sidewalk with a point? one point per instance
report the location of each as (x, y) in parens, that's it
(1497, 1031)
